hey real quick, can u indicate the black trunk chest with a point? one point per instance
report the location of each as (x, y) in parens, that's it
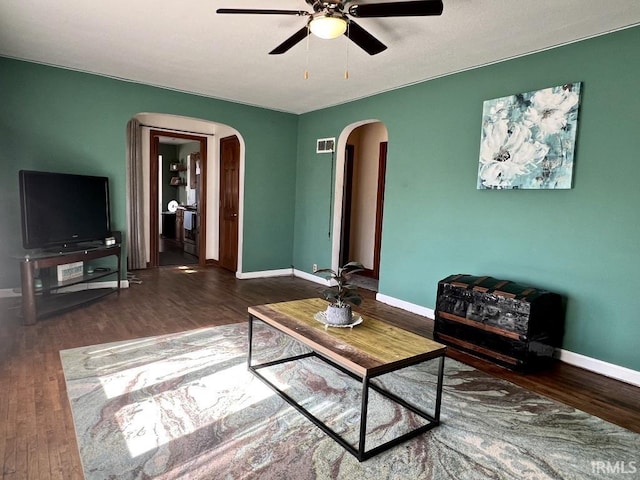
(512, 324)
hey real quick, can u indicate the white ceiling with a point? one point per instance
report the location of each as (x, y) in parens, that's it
(186, 46)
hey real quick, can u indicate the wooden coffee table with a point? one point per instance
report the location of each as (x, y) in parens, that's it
(364, 352)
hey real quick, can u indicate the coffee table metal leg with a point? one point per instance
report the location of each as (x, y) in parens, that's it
(439, 389)
(250, 340)
(363, 418)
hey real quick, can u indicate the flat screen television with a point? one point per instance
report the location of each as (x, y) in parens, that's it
(61, 210)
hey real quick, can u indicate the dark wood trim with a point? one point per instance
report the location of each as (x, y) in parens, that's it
(482, 326)
(202, 204)
(154, 211)
(367, 272)
(477, 348)
(382, 171)
(347, 190)
(211, 262)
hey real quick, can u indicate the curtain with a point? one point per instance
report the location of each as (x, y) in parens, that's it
(136, 244)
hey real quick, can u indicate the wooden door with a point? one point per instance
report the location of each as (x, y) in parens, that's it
(229, 201)
(382, 172)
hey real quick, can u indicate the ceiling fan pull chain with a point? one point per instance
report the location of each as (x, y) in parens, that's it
(346, 67)
(306, 70)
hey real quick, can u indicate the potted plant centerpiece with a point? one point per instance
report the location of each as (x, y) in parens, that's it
(342, 293)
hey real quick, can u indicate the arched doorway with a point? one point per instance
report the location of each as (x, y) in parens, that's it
(209, 135)
(359, 191)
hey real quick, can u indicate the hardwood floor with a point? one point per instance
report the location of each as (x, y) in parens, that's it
(172, 253)
(37, 437)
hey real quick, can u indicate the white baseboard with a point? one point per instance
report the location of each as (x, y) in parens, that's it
(10, 292)
(264, 274)
(598, 366)
(409, 307)
(311, 277)
(593, 365)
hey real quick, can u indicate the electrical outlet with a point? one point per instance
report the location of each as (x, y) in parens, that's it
(315, 267)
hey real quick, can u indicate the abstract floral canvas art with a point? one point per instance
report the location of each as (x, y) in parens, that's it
(528, 140)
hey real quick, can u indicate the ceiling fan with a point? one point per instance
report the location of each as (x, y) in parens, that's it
(330, 19)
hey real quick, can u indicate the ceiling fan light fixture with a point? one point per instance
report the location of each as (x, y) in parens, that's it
(328, 27)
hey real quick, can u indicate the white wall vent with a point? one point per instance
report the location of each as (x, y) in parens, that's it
(325, 145)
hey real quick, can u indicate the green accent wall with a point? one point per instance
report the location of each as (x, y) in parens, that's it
(61, 120)
(581, 243)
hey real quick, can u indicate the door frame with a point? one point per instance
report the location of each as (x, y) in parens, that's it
(339, 195)
(345, 227)
(382, 175)
(154, 209)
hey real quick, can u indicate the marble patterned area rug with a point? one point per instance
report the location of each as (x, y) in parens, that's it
(185, 406)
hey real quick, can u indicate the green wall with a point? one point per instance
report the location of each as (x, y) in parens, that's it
(61, 120)
(582, 243)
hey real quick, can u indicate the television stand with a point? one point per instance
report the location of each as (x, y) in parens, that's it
(71, 248)
(51, 296)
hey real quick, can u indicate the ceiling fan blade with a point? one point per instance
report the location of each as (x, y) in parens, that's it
(291, 41)
(364, 39)
(397, 9)
(258, 11)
